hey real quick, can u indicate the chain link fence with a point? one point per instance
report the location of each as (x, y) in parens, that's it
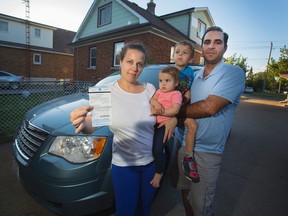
(15, 102)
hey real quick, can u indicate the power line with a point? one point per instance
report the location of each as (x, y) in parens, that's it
(274, 41)
(265, 76)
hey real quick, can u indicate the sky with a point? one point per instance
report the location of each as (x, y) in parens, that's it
(254, 26)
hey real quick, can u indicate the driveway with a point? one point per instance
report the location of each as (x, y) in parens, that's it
(253, 179)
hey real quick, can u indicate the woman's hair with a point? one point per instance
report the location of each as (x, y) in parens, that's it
(186, 43)
(133, 45)
(173, 71)
(216, 28)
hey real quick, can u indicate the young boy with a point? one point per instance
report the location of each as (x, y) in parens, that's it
(165, 103)
(183, 55)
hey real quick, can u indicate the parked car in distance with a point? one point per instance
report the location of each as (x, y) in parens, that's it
(68, 173)
(248, 89)
(73, 86)
(10, 80)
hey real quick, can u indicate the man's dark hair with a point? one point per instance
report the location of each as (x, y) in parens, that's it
(216, 28)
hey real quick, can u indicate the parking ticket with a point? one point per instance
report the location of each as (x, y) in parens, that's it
(100, 99)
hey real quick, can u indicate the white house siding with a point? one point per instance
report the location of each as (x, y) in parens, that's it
(194, 25)
(181, 23)
(46, 39)
(17, 34)
(120, 17)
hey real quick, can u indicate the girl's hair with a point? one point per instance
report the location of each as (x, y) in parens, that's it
(186, 43)
(173, 71)
(133, 45)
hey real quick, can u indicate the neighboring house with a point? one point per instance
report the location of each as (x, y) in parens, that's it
(111, 23)
(35, 50)
(284, 74)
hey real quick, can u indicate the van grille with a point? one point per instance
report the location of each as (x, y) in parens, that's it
(29, 139)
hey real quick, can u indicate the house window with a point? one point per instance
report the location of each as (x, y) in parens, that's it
(202, 60)
(201, 29)
(37, 33)
(172, 50)
(105, 14)
(3, 26)
(92, 62)
(117, 50)
(36, 58)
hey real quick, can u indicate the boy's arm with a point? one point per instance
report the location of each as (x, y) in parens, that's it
(187, 97)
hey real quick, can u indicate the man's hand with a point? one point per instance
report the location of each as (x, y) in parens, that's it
(170, 126)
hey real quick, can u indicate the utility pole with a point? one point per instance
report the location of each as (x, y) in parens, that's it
(27, 35)
(267, 69)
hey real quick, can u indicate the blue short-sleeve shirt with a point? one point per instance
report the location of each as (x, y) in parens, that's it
(186, 79)
(225, 81)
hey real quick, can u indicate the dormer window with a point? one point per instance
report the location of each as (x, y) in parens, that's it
(201, 29)
(105, 15)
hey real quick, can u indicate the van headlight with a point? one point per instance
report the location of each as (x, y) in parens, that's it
(78, 149)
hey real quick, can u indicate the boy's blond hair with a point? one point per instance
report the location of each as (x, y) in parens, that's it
(186, 43)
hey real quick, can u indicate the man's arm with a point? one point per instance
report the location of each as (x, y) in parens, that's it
(203, 108)
(200, 109)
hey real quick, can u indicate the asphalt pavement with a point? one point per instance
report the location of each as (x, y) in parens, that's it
(253, 180)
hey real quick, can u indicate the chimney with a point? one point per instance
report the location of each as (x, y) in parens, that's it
(151, 7)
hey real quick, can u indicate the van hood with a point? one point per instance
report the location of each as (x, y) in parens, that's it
(54, 116)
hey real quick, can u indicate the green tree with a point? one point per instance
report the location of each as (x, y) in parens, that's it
(249, 77)
(250, 74)
(273, 80)
(238, 61)
(275, 68)
(258, 79)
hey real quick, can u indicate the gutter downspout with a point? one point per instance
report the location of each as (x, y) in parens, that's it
(189, 24)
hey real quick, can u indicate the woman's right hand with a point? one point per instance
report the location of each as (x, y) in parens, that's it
(79, 118)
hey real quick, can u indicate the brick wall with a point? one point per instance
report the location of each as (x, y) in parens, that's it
(13, 61)
(158, 52)
(53, 65)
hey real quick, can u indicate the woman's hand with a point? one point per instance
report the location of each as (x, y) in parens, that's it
(80, 120)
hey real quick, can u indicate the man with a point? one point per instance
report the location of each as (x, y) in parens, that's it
(215, 94)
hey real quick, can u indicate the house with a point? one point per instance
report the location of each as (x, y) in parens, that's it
(110, 23)
(35, 50)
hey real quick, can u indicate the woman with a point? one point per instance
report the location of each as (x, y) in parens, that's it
(132, 161)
